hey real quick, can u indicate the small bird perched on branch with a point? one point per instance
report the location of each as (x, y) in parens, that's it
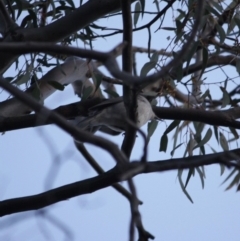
(111, 114)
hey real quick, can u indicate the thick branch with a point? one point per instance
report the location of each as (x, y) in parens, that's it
(129, 169)
(216, 118)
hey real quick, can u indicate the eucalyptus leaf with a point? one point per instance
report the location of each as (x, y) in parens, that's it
(205, 139)
(184, 189)
(152, 127)
(87, 92)
(221, 32)
(223, 142)
(163, 143)
(136, 14)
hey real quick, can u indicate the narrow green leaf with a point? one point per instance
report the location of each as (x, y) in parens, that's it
(56, 85)
(97, 79)
(230, 174)
(87, 92)
(225, 98)
(205, 139)
(163, 143)
(231, 26)
(222, 169)
(238, 66)
(175, 137)
(175, 148)
(19, 7)
(147, 67)
(223, 142)
(212, 10)
(152, 127)
(22, 79)
(201, 175)
(234, 182)
(143, 6)
(184, 189)
(168, 28)
(154, 57)
(234, 132)
(198, 127)
(136, 14)
(237, 21)
(190, 173)
(205, 58)
(173, 125)
(206, 93)
(179, 72)
(216, 132)
(181, 15)
(221, 32)
(179, 26)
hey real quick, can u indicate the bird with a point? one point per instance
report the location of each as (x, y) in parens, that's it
(110, 116)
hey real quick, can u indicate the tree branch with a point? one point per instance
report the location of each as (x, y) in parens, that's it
(216, 118)
(118, 173)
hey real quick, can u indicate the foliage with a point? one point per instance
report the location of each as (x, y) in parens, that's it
(177, 78)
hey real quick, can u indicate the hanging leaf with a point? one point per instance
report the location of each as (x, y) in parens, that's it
(221, 32)
(201, 175)
(175, 148)
(205, 95)
(97, 79)
(157, 5)
(234, 132)
(205, 58)
(222, 169)
(191, 172)
(173, 125)
(143, 6)
(154, 57)
(87, 92)
(182, 186)
(229, 175)
(238, 65)
(168, 28)
(136, 14)
(198, 127)
(225, 98)
(152, 127)
(149, 65)
(205, 139)
(216, 132)
(231, 26)
(22, 79)
(223, 142)
(179, 72)
(234, 182)
(181, 15)
(163, 143)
